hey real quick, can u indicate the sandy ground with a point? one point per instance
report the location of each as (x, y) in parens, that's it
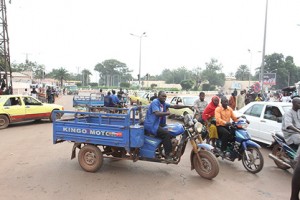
(32, 167)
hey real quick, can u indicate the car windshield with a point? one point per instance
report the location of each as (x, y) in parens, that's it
(286, 108)
(73, 87)
(189, 101)
(2, 98)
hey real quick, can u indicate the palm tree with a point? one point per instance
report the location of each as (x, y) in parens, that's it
(60, 74)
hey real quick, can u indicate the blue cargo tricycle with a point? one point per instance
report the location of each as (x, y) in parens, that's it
(120, 135)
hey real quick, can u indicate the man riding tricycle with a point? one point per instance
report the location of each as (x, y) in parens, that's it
(121, 135)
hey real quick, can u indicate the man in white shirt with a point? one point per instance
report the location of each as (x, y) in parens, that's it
(291, 125)
(200, 104)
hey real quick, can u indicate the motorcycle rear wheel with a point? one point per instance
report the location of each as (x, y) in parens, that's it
(254, 155)
(277, 151)
(210, 163)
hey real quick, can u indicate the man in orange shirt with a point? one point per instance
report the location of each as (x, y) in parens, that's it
(223, 114)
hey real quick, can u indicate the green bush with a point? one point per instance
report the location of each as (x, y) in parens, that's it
(93, 84)
(124, 85)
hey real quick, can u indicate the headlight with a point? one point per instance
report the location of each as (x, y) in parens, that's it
(188, 120)
(198, 127)
(243, 125)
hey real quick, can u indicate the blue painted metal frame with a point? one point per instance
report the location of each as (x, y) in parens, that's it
(88, 101)
(107, 129)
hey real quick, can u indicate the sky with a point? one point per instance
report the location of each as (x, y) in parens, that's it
(76, 34)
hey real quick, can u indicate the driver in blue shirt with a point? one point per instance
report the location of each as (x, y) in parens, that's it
(155, 120)
(115, 99)
(108, 101)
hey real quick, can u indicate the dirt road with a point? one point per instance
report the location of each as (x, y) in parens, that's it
(34, 168)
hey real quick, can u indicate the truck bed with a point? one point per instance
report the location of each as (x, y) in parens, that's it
(85, 101)
(106, 129)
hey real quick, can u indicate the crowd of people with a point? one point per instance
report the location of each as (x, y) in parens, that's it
(217, 115)
(237, 101)
(114, 99)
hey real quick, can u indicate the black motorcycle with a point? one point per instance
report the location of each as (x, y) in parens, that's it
(282, 153)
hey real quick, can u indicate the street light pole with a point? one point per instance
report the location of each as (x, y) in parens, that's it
(250, 66)
(140, 56)
(264, 47)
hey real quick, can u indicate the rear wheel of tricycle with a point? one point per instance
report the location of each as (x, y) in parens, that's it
(255, 162)
(277, 151)
(210, 165)
(90, 158)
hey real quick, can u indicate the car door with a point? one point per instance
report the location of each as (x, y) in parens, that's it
(14, 108)
(254, 114)
(34, 109)
(270, 122)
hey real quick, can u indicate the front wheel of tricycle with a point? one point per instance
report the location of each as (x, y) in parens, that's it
(90, 158)
(255, 162)
(210, 165)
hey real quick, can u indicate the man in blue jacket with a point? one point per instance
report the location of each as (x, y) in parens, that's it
(108, 101)
(115, 99)
(156, 119)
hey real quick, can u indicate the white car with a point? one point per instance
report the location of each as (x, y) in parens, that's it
(265, 118)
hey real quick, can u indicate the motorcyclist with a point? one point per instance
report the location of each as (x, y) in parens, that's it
(291, 125)
(155, 120)
(208, 116)
(223, 114)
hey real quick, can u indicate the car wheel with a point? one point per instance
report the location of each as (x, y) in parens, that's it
(58, 116)
(185, 113)
(4, 121)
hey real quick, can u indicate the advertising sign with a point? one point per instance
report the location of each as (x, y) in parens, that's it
(269, 79)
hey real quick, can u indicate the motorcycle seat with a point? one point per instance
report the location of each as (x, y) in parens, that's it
(293, 146)
(280, 136)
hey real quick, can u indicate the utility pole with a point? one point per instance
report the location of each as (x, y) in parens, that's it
(264, 47)
(4, 47)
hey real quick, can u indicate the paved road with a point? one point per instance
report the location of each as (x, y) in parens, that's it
(33, 168)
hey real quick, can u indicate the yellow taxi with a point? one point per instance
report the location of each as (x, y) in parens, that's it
(17, 108)
(140, 98)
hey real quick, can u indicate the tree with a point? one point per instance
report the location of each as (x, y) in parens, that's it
(175, 76)
(59, 74)
(112, 72)
(243, 73)
(37, 69)
(187, 84)
(153, 85)
(287, 73)
(196, 75)
(85, 76)
(213, 65)
(213, 73)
